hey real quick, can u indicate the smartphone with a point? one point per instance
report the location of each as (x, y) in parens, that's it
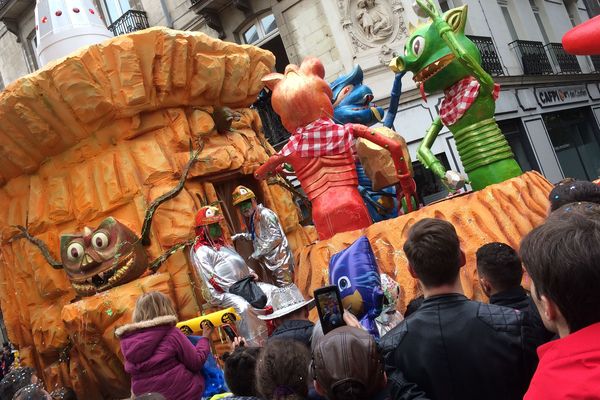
(329, 307)
(229, 331)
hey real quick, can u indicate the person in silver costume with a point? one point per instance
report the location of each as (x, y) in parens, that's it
(271, 247)
(390, 316)
(220, 266)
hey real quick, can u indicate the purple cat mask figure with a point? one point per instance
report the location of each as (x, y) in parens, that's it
(356, 274)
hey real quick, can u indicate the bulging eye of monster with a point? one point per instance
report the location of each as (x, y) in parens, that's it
(343, 283)
(75, 251)
(418, 45)
(210, 212)
(100, 240)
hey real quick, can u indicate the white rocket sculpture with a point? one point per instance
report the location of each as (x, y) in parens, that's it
(64, 26)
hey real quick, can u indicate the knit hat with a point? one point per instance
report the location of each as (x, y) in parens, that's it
(347, 354)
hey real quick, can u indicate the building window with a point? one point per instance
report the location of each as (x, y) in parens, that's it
(429, 187)
(576, 140)
(538, 20)
(507, 18)
(115, 9)
(31, 51)
(263, 32)
(446, 5)
(112, 10)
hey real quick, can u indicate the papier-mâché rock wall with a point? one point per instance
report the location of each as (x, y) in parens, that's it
(102, 133)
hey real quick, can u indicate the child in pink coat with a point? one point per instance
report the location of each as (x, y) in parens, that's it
(158, 356)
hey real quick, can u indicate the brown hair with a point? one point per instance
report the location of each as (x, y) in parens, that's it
(562, 257)
(151, 305)
(433, 251)
(282, 370)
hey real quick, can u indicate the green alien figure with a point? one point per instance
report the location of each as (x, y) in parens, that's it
(441, 57)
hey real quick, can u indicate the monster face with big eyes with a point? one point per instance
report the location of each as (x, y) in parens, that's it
(99, 259)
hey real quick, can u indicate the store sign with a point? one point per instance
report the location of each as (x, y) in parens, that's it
(552, 96)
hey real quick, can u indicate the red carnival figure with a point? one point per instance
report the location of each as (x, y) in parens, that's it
(320, 150)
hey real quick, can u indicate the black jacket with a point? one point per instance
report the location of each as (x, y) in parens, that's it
(455, 348)
(518, 299)
(295, 329)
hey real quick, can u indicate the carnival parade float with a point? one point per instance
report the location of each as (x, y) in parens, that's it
(109, 153)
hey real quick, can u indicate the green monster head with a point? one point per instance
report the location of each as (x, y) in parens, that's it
(428, 57)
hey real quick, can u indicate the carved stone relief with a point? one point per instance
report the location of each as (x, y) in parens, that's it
(373, 24)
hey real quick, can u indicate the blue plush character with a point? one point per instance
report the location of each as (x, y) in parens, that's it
(355, 272)
(352, 104)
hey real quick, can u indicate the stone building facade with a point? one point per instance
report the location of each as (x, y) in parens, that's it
(519, 39)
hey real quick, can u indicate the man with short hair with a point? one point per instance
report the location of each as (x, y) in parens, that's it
(452, 347)
(573, 191)
(500, 272)
(562, 257)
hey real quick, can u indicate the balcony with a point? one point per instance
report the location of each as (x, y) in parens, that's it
(564, 62)
(533, 57)
(131, 21)
(489, 56)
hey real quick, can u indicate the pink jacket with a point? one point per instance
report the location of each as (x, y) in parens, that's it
(161, 359)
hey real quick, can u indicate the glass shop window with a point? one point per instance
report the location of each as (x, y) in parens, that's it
(576, 139)
(519, 143)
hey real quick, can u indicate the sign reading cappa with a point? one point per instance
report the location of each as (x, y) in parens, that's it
(550, 96)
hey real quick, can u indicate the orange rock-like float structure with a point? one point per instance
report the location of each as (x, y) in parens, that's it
(503, 212)
(106, 131)
(102, 133)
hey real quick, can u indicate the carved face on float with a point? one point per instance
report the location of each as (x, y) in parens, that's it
(429, 57)
(101, 258)
(300, 95)
(352, 100)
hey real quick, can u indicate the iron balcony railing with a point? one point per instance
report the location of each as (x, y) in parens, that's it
(534, 59)
(131, 21)
(566, 63)
(596, 62)
(489, 56)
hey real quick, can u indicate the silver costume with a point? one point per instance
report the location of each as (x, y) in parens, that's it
(271, 248)
(219, 269)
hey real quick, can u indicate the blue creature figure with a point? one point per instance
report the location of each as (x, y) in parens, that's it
(352, 104)
(356, 274)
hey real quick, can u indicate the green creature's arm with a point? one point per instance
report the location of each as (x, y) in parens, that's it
(424, 154)
(447, 34)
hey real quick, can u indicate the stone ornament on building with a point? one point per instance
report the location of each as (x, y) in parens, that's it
(373, 24)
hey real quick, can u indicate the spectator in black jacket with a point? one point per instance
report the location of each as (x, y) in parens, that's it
(290, 315)
(500, 273)
(451, 347)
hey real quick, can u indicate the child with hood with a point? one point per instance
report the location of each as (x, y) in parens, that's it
(158, 356)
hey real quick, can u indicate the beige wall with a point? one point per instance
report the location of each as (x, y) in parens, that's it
(12, 57)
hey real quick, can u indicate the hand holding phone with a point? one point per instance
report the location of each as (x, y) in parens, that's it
(329, 307)
(229, 331)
